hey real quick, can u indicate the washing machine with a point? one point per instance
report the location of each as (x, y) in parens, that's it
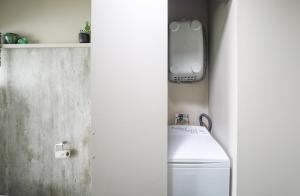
(197, 164)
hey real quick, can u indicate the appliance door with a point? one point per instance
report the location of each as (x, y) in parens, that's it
(198, 180)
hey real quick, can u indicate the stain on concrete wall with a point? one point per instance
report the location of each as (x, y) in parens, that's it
(3, 129)
(45, 100)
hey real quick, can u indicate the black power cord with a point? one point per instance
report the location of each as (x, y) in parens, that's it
(202, 124)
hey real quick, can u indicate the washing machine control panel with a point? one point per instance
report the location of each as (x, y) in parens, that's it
(187, 130)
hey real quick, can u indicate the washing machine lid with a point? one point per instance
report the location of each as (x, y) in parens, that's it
(194, 144)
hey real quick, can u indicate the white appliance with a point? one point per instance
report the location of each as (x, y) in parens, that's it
(187, 54)
(197, 165)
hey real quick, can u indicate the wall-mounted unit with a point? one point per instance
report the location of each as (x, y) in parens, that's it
(187, 54)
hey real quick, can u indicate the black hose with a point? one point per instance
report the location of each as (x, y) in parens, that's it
(202, 124)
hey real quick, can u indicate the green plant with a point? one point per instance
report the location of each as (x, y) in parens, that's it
(87, 28)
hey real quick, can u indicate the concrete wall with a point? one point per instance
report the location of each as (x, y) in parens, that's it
(45, 21)
(3, 128)
(268, 97)
(47, 101)
(129, 98)
(188, 98)
(223, 78)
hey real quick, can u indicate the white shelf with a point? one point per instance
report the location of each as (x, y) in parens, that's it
(52, 45)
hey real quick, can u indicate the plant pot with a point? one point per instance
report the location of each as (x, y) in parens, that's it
(84, 38)
(23, 40)
(11, 38)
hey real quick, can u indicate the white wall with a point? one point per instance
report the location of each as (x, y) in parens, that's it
(223, 78)
(129, 97)
(188, 98)
(269, 83)
(45, 21)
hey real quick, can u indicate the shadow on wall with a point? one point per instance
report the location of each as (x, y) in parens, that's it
(188, 9)
(221, 42)
(217, 68)
(220, 16)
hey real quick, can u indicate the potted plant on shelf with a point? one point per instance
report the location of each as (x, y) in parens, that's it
(85, 34)
(11, 38)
